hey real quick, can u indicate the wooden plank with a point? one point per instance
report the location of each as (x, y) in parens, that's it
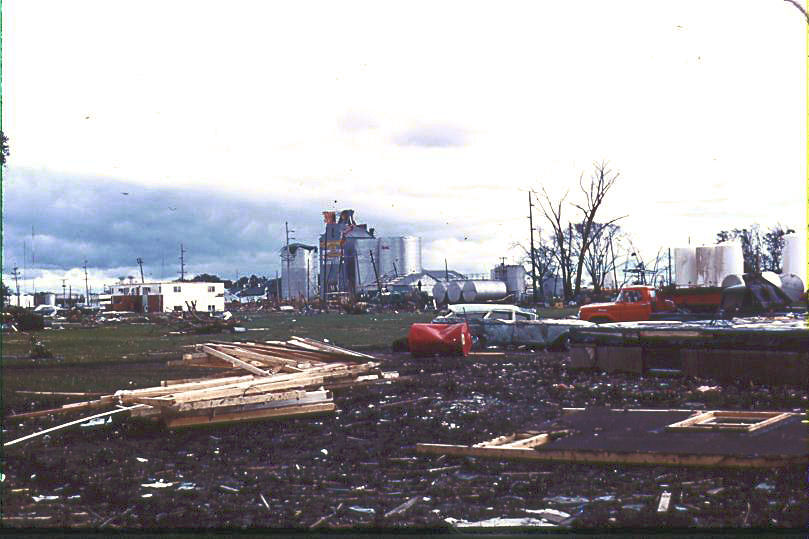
(235, 361)
(60, 393)
(239, 401)
(103, 401)
(330, 347)
(610, 457)
(273, 357)
(69, 424)
(291, 411)
(123, 394)
(530, 442)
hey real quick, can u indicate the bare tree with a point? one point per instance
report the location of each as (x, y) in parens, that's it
(601, 181)
(572, 248)
(599, 260)
(544, 260)
(562, 238)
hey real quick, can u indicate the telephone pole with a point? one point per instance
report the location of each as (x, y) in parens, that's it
(140, 263)
(182, 263)
(533, 259)
(64, 293)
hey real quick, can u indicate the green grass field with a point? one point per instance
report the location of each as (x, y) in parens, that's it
(134, 341)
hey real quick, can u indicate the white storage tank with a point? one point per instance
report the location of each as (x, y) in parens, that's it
(440, 293)
(728, 260)
(480, 291)
(792, 285)
(794, 256)
(685, 266)
(389, 254)
(411, 253)
(706, 269)
(454, 291)
(303, 265)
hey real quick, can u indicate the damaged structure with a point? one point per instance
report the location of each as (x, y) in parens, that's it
(654, 437)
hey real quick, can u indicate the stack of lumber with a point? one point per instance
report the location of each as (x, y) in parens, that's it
(258, 380)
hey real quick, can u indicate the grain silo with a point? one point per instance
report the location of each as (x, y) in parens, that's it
(411, 254)
(299, 271)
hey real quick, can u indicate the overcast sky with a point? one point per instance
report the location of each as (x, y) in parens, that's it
(222, 120)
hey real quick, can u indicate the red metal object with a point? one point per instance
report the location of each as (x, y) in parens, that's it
(439, 339)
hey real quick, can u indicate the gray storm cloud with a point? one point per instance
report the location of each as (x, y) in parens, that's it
(110, 223)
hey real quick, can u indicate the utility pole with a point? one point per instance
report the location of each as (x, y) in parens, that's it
(182, 263)
(33, 280)
(446, 271)
(64, 293)
(86, 286)
(70, 293)
(307, 280)
(288, 260)
(17, 283)
(533, 259)
(140, 263)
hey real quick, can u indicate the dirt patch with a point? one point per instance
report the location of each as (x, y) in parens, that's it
(361, 460)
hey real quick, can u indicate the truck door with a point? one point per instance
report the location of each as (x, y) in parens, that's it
(635, 307)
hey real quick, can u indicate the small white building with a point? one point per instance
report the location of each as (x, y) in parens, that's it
(172, 296)
(23, 300)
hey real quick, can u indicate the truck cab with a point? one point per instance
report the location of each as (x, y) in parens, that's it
(633, 303)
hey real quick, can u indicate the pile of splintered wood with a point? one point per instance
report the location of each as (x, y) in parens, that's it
(286, 378)
(283, 379)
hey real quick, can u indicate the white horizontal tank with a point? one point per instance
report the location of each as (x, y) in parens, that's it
(479, 291)
(440, 293)
(454, 290)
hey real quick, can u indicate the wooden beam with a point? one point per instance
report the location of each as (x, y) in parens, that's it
(289, 411)
(103, 401)
(235, 361)
(69, 424)
(612, 457)
(253, 399)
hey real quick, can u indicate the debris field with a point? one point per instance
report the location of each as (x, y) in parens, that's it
(358, 465)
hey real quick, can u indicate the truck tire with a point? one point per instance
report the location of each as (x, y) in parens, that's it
(600, 320)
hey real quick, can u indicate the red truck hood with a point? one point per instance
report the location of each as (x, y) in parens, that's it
(594, 306)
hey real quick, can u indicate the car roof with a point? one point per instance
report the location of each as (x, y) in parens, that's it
(484, 308)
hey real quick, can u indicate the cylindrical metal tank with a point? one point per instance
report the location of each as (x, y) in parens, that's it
(728, 260)
(794, 256)
(706, 274)
(454, 291)
(477, 291)
(440, 293)
(513, 276)
(734, 279)
(792, 285)
(303, 266)
(359, 257)
(411, 248)
(390, 253)
(685, 266)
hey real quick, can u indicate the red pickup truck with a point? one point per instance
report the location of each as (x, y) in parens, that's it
(633, 303)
